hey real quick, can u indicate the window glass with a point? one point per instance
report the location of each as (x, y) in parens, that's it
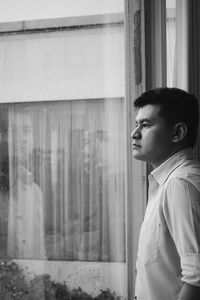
(62, 180)
(62, 161)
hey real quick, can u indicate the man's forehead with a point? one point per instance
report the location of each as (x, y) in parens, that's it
(148, 112)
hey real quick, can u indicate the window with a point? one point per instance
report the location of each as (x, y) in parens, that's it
(63, 157)
(72, 199)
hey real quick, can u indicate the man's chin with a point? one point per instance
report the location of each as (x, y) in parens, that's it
(137, 155)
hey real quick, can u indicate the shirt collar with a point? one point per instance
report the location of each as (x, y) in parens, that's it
(162, 172)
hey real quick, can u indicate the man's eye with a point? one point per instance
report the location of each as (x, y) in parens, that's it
(145, 125)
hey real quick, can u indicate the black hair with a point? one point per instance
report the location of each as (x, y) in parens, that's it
(176, 105)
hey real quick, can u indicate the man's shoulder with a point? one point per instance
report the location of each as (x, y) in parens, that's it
(188, 171)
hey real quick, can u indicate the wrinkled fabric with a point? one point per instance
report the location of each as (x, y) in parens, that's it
(169, 242)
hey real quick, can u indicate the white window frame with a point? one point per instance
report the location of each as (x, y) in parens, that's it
(136, 188)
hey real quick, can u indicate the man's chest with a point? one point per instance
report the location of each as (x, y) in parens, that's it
(154, 234)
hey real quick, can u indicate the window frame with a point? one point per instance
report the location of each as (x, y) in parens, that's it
(56, 24)
(136, 189)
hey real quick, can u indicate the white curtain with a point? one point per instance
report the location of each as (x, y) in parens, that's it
(171, 53)
(66, 180)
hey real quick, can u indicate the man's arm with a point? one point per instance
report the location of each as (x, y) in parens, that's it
(182, 212)
(189, 292)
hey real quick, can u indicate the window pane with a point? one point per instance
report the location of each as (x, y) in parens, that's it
(62, 162)
(68, 161)
(62, 181)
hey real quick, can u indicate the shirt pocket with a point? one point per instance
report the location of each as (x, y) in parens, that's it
(149, 242)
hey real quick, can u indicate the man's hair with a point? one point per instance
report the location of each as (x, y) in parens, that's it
(176, 106)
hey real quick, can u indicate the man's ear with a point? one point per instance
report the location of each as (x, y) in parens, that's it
(180, 131)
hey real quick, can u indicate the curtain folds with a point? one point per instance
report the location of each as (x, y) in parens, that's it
(187, 63)
(67, 181)
(171, 53)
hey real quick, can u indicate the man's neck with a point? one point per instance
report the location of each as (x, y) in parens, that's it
(173, 151)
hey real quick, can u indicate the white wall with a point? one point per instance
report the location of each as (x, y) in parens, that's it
(77, 64)
(21, 10)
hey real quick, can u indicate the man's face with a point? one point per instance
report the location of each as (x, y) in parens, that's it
(152, 137)
(22, 136)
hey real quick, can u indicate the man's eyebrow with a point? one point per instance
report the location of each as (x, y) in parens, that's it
(143, 120)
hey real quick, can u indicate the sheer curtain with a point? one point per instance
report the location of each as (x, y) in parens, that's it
(171, 46)
(66, 182)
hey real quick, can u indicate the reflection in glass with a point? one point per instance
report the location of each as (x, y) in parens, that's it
(62, 180)
(25, 212)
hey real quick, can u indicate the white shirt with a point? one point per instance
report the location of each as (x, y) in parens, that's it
(169, 243)
(26, 220)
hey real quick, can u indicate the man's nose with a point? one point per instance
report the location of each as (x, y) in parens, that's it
(136, 134)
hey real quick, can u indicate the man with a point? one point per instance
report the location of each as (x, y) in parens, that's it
(26, 238)
(168, 264)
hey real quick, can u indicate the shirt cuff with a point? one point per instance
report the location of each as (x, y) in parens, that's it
(190, 264)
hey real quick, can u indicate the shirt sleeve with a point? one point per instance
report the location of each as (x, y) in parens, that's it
(182, 214)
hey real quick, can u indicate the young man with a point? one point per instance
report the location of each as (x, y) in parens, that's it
(168, 264)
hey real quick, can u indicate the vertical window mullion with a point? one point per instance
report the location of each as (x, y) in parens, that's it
(135, 171)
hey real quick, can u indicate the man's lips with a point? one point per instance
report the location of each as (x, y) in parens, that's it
(136, 146)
